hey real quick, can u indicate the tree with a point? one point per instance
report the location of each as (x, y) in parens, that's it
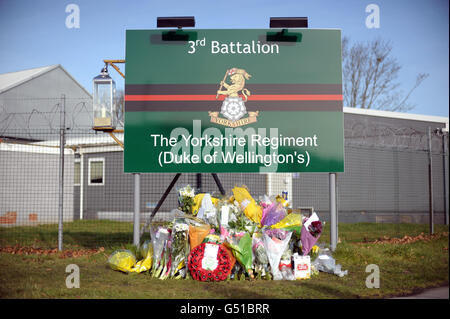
(370, 74)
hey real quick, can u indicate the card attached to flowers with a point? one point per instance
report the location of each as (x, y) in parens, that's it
(302, 267)
(209, 261)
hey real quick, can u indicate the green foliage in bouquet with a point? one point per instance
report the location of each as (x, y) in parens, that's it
(186, 204)
(180, 246)
(241, 222)
(314, 252)
(186, 199)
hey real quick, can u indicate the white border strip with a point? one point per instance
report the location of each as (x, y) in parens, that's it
(102, 149)
(32, 149)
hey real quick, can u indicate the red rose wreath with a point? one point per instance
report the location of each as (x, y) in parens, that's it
(218, 270)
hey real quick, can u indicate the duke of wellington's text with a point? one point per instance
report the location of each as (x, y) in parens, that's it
(237, 146)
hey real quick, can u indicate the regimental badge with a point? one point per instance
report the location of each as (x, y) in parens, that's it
(233, 106)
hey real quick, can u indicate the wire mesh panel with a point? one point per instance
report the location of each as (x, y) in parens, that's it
(385, 182)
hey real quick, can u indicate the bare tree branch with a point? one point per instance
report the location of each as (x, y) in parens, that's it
(370, 74)
(120, 105)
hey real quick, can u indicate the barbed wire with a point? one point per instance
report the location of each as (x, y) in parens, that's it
(79, 116)
(381, 135)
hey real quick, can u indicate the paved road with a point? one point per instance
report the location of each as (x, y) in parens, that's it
(434, 293)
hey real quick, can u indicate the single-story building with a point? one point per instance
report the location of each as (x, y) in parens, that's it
(30, 104)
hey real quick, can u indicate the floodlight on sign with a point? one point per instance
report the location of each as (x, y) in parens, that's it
(288, 22)
(175, 22)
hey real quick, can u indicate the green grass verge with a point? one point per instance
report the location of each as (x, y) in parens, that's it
(105, 233)
(77, 234)
(404, 269)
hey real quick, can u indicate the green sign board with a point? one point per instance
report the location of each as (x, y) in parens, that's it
(233, 101)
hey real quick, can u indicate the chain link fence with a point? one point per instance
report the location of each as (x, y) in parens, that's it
(385, 182)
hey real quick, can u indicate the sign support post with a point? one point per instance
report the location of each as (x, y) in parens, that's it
(137, 201)
(333, 212)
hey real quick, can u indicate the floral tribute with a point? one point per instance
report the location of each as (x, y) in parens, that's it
(209, 262)
(234, 237)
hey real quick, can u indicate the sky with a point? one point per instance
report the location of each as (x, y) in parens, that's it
(35, 34)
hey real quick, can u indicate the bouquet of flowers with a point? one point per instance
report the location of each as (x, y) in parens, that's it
(208, 211)
(159, 241)
(251, 209)
(314, 252)
(311, 230)
(161, 263)
(238, 220)
(287, 254)
(275, 242)
(122, 260)
(186, 199)
(315, 228)
(278, 234)
(259, 251)
(197, 234)
(292, 221)
(145, 252)
(180, 246)
(241, 246)
(265, 201)
(260, 255)
(146, 249)
(282, 200)
(167, 262)
(273, 214)
(286, 265)
(226, 212)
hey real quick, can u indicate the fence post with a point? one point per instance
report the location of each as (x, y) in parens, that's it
(199, 182)
(445, 165)
(337, 208)
(62, 131)
(137, 202)
(333, 214)
(81, 182)
(430, 183)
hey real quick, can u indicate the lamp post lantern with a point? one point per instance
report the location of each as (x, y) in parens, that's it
(104, 101)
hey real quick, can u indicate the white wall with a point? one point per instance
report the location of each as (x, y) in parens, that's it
(29, 179)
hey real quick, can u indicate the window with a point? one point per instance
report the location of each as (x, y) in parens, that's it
(96, 171)
(77, 172)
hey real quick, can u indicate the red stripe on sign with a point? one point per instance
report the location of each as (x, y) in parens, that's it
(260, 97)
(170, 97)
(296, 97)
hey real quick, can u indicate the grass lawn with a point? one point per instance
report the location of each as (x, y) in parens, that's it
(404, 268)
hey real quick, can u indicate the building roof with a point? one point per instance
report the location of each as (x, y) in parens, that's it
(13, 79)
(398, 115)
